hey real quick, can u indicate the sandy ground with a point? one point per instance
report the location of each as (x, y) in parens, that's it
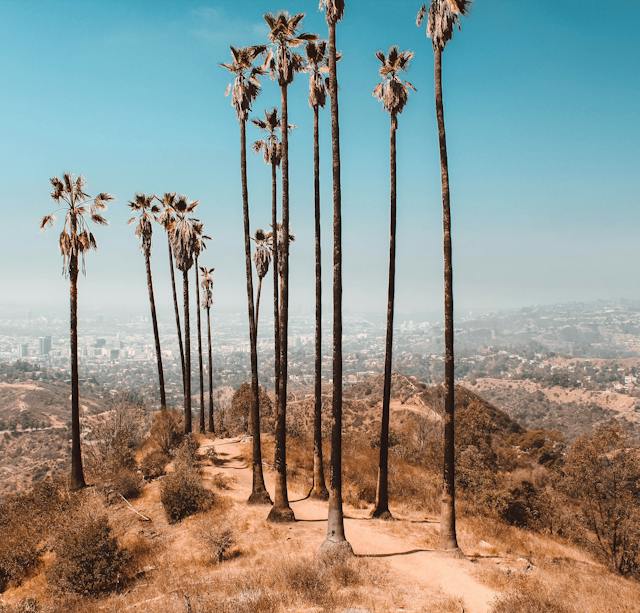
(410, 563)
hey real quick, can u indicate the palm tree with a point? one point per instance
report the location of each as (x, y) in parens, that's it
(394, 93)
(207, 286)
(262, 259)
(166, 219)
(283, 64)
(75, 241)
(334, 10)
(244, 90)
(200, 244)
(272, 152)
(444, 16)
(183, 242)
(146, 210)
(317, 66)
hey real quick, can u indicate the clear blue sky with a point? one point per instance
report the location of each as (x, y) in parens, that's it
(543, 116)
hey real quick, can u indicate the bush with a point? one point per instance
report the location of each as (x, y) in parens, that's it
(127, 483)
(19, 553)
(154, 464)
(181, 492)
(27, 605)
(88, 559)
(528, 597)
(238, 419)
(167, 431)
(220, 542)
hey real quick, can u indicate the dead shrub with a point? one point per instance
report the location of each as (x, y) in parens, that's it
(127, 483)
(154, 464)
(88, 558)
(528, 596)
(181, 492)
(27, 605)
(220, 542)
(166, 431)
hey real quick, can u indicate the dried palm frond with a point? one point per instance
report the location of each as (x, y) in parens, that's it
(245, 87)
(147, 211)
(334, 10)
(183, 232)
(75, 239)
(317, 65)
(207, 285)
(282, 62)
(270, 145)
(262, 254)
(392, 91)
(442, 19)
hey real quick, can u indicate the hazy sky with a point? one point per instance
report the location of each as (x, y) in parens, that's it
(543, 116)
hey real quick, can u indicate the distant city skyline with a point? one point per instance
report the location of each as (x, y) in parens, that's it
(544, 139)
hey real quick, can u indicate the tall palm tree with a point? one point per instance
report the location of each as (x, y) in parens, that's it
(200, 244)
(75, 241)
(283, 64)
(166, 219)
(207, 303)
(244, 90)
(262, 260)
(183, 242)
(317, 66)
(334, 10)
(146, 210)
(394, 93)
(443, 17)
(272, 152)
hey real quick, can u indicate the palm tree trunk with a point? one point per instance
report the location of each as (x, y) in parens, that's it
(448, 539)
(276, 275)
(258, 303)
(259, 494)
(382, 495)
(187, 353)
(202, 424)
(156, 334)
(319, 488)
(281, 511)
(212, 427)
(176, 309)
(77, 473)
(335, 523)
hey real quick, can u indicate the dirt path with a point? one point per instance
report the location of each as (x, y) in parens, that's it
(409, 562)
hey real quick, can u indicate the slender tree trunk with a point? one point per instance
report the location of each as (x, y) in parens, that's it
(281, 511)
(187, 353)
(448, 539)
(258, 303)
(335, 524)
(212, 427)
(259, 494)
(77, 473)
(156, 334)
(382, 496)
(276, 275)
(319, 489)
(176, 309)
(200, 366)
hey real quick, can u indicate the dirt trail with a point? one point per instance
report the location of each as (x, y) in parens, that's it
(409, 562)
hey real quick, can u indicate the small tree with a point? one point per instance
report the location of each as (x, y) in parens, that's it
(602, 473)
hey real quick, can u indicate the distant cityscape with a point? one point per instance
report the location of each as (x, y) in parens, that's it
(117, 353)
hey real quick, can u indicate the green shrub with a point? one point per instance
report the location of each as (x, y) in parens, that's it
(88, 559)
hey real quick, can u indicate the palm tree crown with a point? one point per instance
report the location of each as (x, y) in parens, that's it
(146, 210)
(262, 254)
(334, 10)
(207, 286)
(284, 63)
(184, 232)
(166, 216)
(200, 243)
(392, 91)
(443, 17)
(75, 238)
(317, 66)
(245, 87)
(270, 146)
